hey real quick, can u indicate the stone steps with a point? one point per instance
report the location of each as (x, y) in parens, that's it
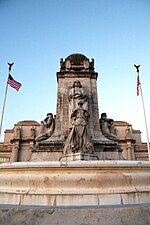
(75, 215)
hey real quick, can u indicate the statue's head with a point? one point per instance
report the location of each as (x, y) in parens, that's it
(77, 84)
(80, 102)
(103, 115)
(50, 115)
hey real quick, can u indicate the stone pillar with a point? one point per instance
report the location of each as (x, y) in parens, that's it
(77, 67)
(16, 143)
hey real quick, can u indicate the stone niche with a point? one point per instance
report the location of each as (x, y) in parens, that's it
(75, 132)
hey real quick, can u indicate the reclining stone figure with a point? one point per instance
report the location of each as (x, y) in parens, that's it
(47, 128)
(106, 126)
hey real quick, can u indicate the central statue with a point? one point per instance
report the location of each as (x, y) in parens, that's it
(78, 139)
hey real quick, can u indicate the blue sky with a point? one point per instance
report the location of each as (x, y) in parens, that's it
(35, 34)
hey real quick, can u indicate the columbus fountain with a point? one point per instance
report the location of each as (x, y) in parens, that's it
(76, 174)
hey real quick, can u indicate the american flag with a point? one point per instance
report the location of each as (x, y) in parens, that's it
(13, 83)
(138, 84)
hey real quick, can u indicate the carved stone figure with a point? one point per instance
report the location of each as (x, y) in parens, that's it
(86, 64)
(62, 64)
(75, 94)
(78, 139)
(47, 128)
(91, 66)
(106, 125)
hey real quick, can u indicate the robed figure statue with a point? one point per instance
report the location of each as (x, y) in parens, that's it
(78, 139)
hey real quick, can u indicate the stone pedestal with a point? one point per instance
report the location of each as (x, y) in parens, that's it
(78, 156)
(47, 151)
(53, 151)
(108, 151)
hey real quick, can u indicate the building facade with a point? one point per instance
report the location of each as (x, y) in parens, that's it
(19, 141)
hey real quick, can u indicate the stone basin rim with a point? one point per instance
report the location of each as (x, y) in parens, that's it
(78, 164)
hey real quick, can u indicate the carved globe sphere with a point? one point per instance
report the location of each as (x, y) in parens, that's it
(76, 59)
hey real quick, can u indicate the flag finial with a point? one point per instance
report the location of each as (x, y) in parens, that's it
(137, 68)
(10, 65)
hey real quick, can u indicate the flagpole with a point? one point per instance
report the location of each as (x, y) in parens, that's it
(5, 94)
(148, 147)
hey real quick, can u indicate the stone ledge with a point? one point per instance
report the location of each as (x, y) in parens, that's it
(109, 164)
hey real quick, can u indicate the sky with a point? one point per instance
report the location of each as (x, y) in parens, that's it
(35, 34)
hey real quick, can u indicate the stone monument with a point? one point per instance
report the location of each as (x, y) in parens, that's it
(78, 134)
(75, 163)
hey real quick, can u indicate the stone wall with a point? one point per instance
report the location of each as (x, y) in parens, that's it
(75, 183)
